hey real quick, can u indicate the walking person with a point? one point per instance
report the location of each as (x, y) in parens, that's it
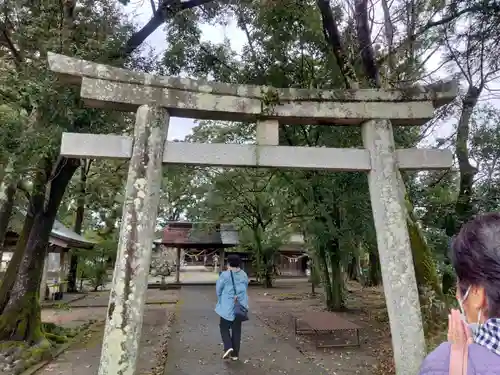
(231, 289)
(473, 346)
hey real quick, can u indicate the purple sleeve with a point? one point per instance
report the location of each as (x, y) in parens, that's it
(437, 362)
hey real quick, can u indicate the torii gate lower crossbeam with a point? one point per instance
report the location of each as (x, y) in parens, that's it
(148, 149)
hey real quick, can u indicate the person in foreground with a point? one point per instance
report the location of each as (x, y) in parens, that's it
(231, 280)
(473, 345)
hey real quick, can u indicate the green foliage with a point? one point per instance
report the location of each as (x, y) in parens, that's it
(179, 189)
(93, 264)
(251, 199)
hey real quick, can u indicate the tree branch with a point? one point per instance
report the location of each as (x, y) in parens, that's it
(332, 36)
(166, 8)
(389, 34)
(482, 8)
(365, 43)
(18, 59)
(464, 206)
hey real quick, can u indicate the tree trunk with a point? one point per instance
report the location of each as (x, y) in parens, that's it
(464, 207)
(21, 317)
(269, 273)
(35, 205)
(327, 284)
(264, 266)
(269, 264)
(80, 210)
(6, 207)
(328, 255)
(374, 274)
(359, 261)
(314, 276)
(328, 288)
(352, 269)
(423, 261)
(337, 276)
(13, 268)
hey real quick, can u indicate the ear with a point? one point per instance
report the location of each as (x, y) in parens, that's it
(479, 300)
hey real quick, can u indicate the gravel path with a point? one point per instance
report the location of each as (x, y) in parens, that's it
(195, 346)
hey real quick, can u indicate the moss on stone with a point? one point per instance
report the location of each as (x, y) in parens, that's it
(23, 323)
(20, 356)
(270, 99)
(7, 345)
(56, 338)
(24, 355)
(37, 354)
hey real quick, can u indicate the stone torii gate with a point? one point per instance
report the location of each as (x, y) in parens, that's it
(156, 98)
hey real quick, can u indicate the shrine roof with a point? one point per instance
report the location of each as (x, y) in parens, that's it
(73, 239)
(199, 235)
(60, 235)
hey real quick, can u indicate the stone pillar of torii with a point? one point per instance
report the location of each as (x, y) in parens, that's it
(156, 98)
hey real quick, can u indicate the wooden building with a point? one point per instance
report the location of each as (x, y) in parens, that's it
(208, 245)
(194, 243)
(291, 259)
(56, 266)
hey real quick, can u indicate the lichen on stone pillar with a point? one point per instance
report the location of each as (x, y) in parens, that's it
(398, 274)
(130, 279)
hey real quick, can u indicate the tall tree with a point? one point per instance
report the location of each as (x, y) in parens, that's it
(29, 31)
(53, 108)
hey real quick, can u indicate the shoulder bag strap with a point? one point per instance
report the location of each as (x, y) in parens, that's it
(459, 358)
(234, 286)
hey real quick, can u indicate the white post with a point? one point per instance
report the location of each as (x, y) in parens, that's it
(130, 279)
(178, 265)
(62, 270)
(268, 132)
(398, 274)
(43, 283)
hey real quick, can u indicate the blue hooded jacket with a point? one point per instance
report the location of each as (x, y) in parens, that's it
(225, 293)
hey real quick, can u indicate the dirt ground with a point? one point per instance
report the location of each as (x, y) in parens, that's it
(83, 357)
(365, 307)
(275, 308)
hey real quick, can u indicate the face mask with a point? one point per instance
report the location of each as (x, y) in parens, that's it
(474, 327)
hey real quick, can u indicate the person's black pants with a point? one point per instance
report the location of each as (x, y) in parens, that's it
(230, 332)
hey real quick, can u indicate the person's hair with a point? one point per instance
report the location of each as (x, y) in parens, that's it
(234, 260)
(475, 255)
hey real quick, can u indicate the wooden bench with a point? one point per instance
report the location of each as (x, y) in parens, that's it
(323, 323)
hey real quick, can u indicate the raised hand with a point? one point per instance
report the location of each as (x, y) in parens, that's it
(458, 331)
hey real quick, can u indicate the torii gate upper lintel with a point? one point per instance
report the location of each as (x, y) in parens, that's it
(157, 98)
